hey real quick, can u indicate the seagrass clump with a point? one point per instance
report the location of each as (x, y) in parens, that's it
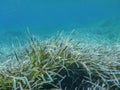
(61, 63)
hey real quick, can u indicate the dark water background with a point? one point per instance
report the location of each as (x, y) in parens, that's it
(45, 17)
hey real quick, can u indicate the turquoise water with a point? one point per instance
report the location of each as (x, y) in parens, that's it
(88, 61)
(45, 17)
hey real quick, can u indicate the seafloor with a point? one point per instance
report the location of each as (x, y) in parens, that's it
(86, 58)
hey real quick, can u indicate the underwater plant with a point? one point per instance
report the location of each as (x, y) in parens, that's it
(61, 63)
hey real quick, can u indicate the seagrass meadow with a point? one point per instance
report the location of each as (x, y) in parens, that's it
(61, 63)
(59, 44)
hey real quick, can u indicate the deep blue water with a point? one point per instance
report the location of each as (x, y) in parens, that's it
(44, 17)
